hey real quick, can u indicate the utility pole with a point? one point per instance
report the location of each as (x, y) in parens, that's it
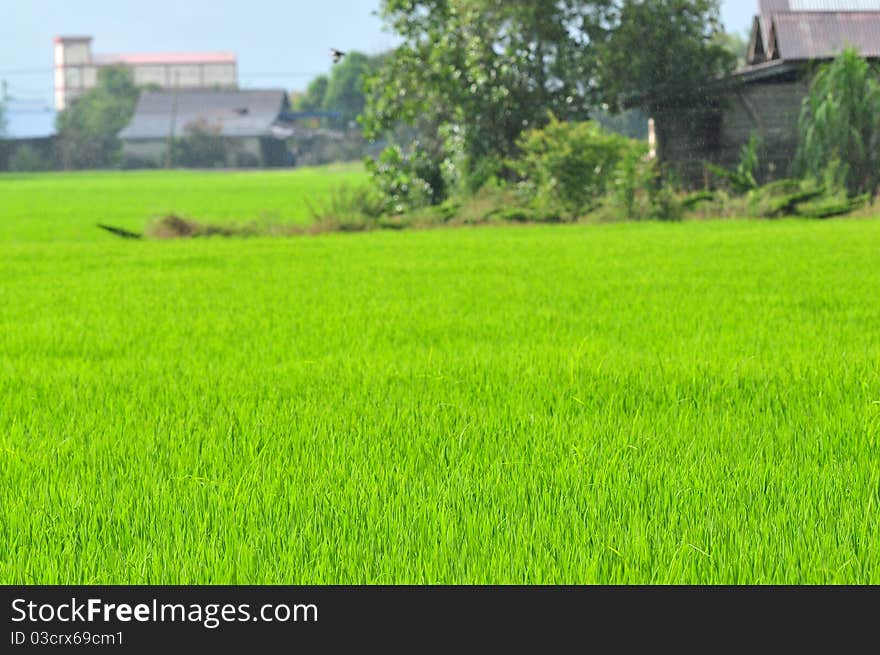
(4, 94)
(169, 150)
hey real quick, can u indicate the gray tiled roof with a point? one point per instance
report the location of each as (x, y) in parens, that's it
(228, 113)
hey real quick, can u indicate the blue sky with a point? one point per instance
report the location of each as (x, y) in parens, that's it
(279, 44)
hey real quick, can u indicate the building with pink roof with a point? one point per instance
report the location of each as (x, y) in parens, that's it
(76, 69)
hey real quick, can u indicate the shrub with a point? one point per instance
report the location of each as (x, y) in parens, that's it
(840, 120)
(745, 177)
(780, 198)
(571, 165)
(28, 159)
(202, 147)
(641, 190)
(131, 162)
(631, 181)
(406, 181)
(348, 205)
(810, 198)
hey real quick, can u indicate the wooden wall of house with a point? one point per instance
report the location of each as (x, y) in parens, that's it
(683, 146)
(769, 108)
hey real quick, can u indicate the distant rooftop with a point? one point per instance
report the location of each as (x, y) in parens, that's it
(805, 30)
(820, 35)
(229, 113)
(167, 58)
(66, 39)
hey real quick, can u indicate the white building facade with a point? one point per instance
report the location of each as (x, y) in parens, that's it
(76, 69)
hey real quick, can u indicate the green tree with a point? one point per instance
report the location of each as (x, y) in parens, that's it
(472, 75)
(87, 128)
(736, 44)
(573, 164)
(661, 55)
(840, 124)
(345, 90)
(313, 98)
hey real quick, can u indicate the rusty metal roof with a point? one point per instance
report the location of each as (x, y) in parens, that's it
(813, 28)
(824, 34)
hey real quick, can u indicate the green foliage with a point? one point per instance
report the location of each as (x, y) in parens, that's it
(405, 181)
(736, 43)
(809, 198)
(347, 208)
(202, 147)
(87, 129)
(572, 164)
(659, 54)
(27, 158)
(831, 205)
(745, 177)
(345, 90)
(313, 98)
(472, 75)
(782, 197)
(840, 120)
(640, 191)
(632, 183)
(693, 200)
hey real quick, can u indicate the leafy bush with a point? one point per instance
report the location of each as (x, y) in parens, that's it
(131, 162)
(28, 159)
(826, 206)
(840, 120)
(406, 181)
(631, 181)
(88, 126)
(809, 198)
(745, 177)
(347, 206)
(202, 147)
(782, 197)
(572, 164)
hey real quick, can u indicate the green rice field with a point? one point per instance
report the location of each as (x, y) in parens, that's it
(611, 404)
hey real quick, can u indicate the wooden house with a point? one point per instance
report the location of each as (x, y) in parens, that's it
(789, 39)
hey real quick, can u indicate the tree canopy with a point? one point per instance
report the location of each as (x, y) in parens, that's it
(473, 75)
(313, 98)
(345, 90)
(342, 91)
(87, 128)
(476, 73)
(660, 55)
